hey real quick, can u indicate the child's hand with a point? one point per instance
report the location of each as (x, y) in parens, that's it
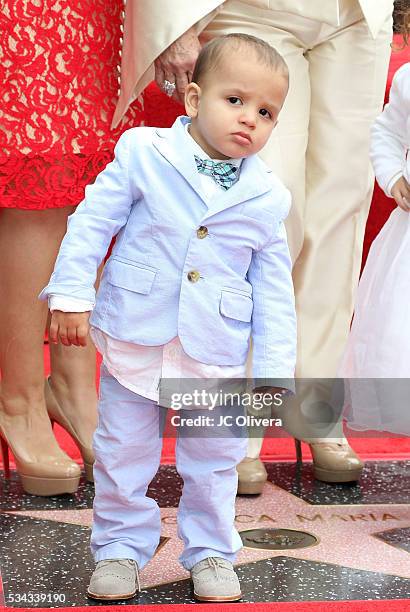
(401, 193)
(69, 327)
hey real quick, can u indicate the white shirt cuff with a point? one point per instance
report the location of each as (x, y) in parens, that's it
(390, 184)
(68, 304)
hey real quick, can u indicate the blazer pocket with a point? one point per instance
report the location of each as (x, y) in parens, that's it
(263, 216)
(130, 277)
(236, 306)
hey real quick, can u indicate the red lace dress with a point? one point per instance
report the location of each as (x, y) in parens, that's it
(59, 83)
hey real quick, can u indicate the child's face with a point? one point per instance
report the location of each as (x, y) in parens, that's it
(236, 109)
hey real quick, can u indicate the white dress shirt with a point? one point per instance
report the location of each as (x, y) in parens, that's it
(142, 368)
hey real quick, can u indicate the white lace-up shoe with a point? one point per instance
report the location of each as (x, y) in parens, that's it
(114, 579)
(215, 580)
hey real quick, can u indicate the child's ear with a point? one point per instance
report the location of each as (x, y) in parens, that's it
(192, 99)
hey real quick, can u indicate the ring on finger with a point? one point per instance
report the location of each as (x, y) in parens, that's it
(169, 87)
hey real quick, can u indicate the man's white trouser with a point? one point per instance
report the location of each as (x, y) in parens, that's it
(320, 149)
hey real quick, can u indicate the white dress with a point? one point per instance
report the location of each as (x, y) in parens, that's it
(376, 362)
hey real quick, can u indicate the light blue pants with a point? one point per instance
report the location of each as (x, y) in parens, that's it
(127, 445)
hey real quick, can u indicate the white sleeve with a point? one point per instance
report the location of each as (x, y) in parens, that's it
(99, 217)
(68, 304)
(274, 316)
(202, 23)
(392, 181)
(388, 147)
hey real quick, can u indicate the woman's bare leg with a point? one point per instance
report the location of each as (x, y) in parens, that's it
(29, 242)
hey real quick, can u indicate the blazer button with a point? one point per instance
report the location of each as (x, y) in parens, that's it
(202, 231)
(193, 276)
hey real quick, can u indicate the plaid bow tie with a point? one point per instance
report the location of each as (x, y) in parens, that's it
(223, 173)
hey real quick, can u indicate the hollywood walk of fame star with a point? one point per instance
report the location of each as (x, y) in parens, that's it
(347, 535)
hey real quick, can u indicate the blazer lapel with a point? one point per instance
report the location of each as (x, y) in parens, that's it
(253, 182)
(376, 13)
(173, 144)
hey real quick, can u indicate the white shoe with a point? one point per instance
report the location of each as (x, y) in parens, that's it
(114, 579)
(215, 580)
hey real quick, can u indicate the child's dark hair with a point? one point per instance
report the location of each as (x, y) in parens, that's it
(213, 51)
(404, 30)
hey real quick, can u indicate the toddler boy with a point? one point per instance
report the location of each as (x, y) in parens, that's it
(200, 263)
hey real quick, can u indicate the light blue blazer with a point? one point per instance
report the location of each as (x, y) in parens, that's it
(212, 275)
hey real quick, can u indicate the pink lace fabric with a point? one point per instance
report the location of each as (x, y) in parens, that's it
(59, 69)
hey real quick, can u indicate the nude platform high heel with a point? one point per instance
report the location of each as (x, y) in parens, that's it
(44, 469)
(252, 476)
(332, 462)
(57, 415)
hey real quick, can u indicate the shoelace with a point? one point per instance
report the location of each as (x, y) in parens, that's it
(212, 562)
(215, 563)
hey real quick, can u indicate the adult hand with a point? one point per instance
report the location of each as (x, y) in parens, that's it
(69, 327)
(401, 193)
(177, 62)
